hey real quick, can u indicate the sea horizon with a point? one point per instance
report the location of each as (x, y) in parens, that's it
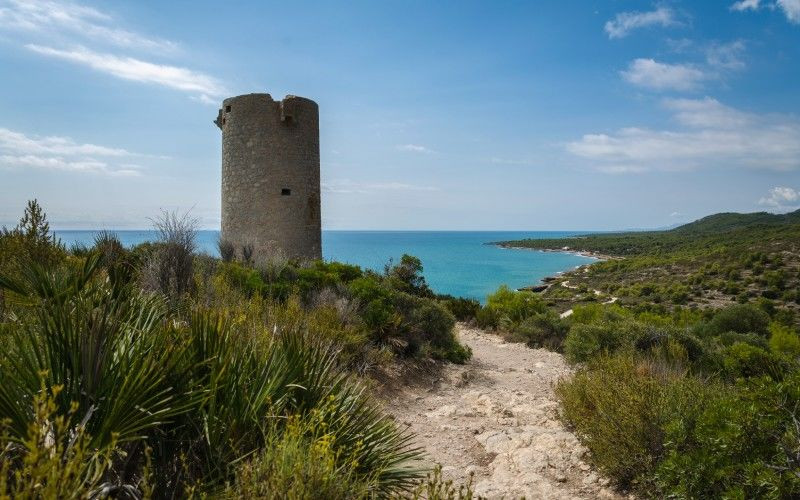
(456, 262)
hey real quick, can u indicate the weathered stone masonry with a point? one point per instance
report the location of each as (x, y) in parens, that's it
(270, 175)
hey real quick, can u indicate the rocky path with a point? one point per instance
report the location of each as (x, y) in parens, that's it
(496, 417)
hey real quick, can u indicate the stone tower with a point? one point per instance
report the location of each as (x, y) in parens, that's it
(270, 175)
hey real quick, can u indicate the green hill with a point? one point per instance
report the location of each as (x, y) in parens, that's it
(730, 221)
(721, 231)
(714, 261)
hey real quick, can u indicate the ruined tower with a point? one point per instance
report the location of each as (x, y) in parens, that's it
(270, 175)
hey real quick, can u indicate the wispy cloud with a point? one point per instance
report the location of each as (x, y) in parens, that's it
(726, 56)
(129, 68)
(745, 5)
(16, 142)
(655, 75)
(414, 148)
(18, 150)
(87, 36)
(721, 60)
(790, 8)
(348, 186)
(711, 135)
(49, 17)
(781, 198)
(707, 113)
(625, 22)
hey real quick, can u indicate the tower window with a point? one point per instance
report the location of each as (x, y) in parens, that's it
(227, 109)
(286, 192)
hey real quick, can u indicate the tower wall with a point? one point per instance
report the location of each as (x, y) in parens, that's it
(270, 175)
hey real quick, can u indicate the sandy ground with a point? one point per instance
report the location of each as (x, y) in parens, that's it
(496, 417)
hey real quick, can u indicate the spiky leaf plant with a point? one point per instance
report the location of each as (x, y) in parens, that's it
(106, 345)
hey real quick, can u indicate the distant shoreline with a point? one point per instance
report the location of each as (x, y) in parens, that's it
(548, 281)
(582, 253)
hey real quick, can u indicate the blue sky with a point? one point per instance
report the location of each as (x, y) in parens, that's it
(572, 115)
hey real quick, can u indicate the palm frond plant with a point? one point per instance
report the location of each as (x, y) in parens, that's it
(109, 349)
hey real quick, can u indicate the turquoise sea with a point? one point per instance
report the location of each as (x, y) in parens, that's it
(455, 262)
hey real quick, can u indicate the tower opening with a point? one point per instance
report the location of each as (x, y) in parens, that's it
(286, 192)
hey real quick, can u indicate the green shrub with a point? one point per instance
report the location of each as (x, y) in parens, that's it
(487, 318)
(407, 276)
(746, 360)
(614, 405)
(727, 339)
(463, 309)
(587, 340)
(542, 330)
(784, 341)
(742, 318)
(436, 488)
(410, 324)
(54, 459)
(622, 408)
(742, 443)
(29, 242)
(507, 308)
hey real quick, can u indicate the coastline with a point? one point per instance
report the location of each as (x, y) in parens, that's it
(548, 281)
(582, 253)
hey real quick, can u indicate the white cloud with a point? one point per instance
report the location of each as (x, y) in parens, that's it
(662, 76)
(745, 5)
(791, 8)
(16, 142)
(88, 36)
(711, 135)
(782, 198)
(18, 150)
(348, 186)
(726, 56)
(129, 68)
(706, 113)
(51, 18)
(415, 148)
(625, 22)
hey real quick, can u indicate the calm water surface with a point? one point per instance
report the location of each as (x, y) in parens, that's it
(455, 262)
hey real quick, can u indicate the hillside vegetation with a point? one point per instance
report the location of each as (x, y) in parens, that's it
(153, 371)
(718, 260)
(688, 386)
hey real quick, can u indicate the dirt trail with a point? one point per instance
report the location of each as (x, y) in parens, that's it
(496, 417)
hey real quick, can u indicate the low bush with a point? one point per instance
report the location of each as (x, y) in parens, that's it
(784, 342)
(742, 442)
(615, 406)
(523, 317)
(462, 308)
(746, 360)
(741, 318)
(300, 462)
(546, 330)
(510, 308)
(54, 459)
(655, 427)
